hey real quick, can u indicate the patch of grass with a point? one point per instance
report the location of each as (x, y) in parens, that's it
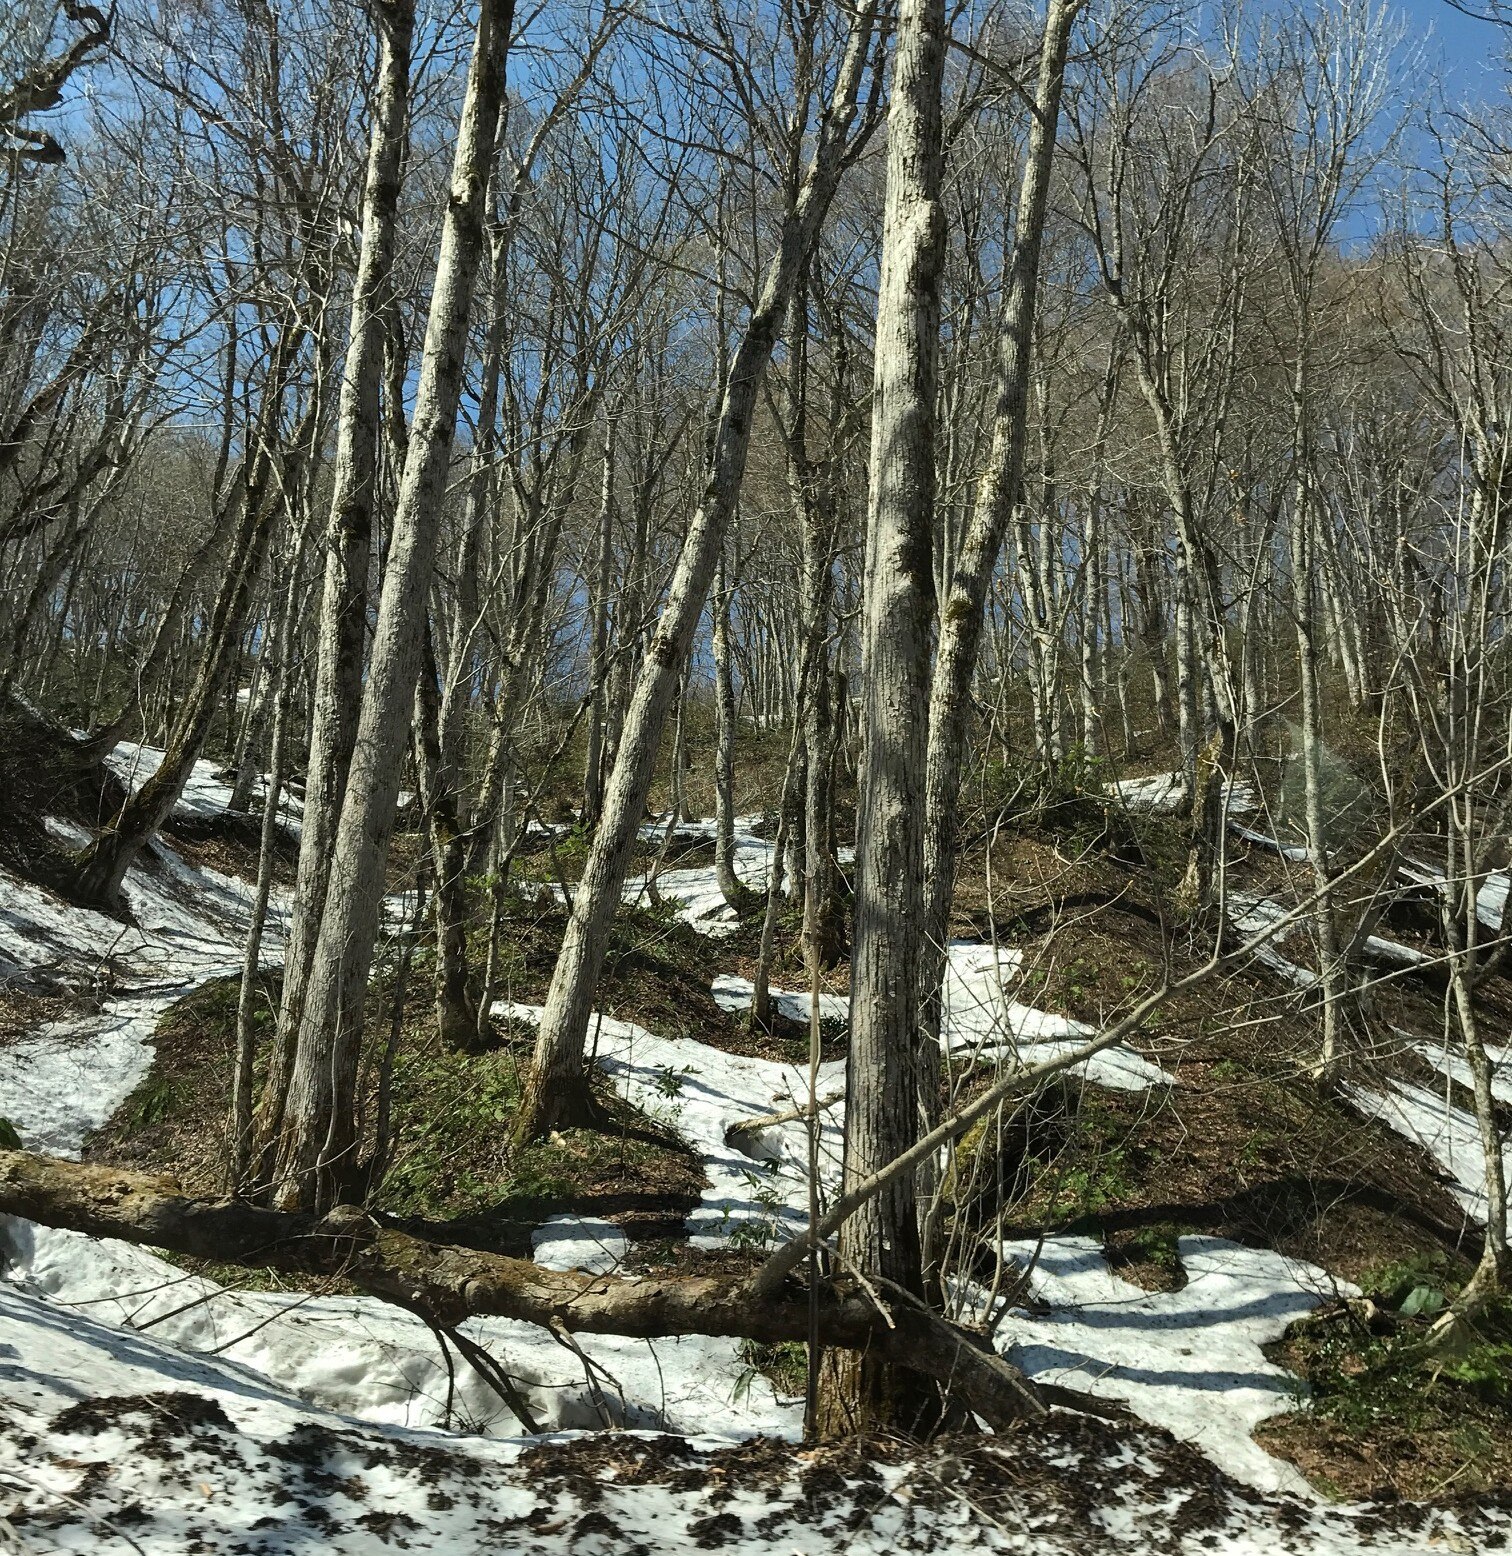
(176, 1120)
(1098, 1166)
(451, 1114)
(784, 1365)
(1380, 1412)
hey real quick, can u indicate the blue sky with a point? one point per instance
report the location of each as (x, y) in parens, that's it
(1473, 52)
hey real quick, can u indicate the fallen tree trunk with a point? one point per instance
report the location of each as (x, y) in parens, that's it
(447, 1284)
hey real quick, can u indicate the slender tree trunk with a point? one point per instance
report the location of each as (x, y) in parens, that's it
(1333, 975)
(557, 1085)
(882, 1068)
(730, 884)
(246, 1049)
(598, 669)
(316, 1158)
(456, 1012)
(777, 877)
(342, 622)
(1495, 1267)
(961, 616)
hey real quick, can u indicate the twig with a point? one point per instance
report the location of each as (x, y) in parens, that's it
(74, 1502)
(564, 1336)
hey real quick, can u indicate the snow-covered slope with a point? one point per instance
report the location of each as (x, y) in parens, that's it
(191, 924)
(113, 1441)
(308, 1421)
(206, 795)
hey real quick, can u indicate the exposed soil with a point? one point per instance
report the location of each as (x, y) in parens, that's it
(43, 773)
(232, 844)
(1389, 1420)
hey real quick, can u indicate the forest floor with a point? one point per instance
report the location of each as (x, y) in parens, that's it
(1188, 1226)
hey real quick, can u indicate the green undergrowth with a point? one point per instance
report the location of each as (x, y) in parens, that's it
(1384, 1410)
(784, 1365)
(454, 1162)
(451, 1162)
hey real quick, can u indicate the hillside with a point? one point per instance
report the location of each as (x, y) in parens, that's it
(1183, 1226)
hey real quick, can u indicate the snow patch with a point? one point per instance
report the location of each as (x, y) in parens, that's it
(1254, 915)
(1449, 1134)
(206, 794)
(735, 993)
(1187, 1360)
(579, 1243)
(91, 1451)
(979, 1020)
(66, 1079)
(1167, 793)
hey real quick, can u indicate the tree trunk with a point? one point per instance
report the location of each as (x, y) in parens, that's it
(598, 666)
(282, 693)
(342, 623)
(1333, 975)
(317, 1146)
(1495, 1267)
(449, 1283)
(962, 614)
(557, 1086)
(456, 1012)
(730, 884)
(866, 1392)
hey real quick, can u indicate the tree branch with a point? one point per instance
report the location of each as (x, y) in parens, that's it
(446, 1284)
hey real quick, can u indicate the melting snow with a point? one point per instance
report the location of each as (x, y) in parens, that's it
(734, 993)
(1289, 851)
(112, 1439)
(1490, 899)
(67, 1078)
(704, 1093)
(1454, 1065)
(206, 794)
(1253, 915)
(980, 1020)
(1187, 1360)
(696, 887)
(579, 1243)
(1449, 1134)
(373, 1361)
(1166, 793)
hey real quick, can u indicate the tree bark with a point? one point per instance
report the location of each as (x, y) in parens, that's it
(557, 1085)
(342, 623)
(730, 884)
(317, 1146)
(865, 1391)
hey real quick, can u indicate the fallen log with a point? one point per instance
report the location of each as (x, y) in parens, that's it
(446, 1284)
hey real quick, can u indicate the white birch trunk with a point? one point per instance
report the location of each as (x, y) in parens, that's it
(316, 1160)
